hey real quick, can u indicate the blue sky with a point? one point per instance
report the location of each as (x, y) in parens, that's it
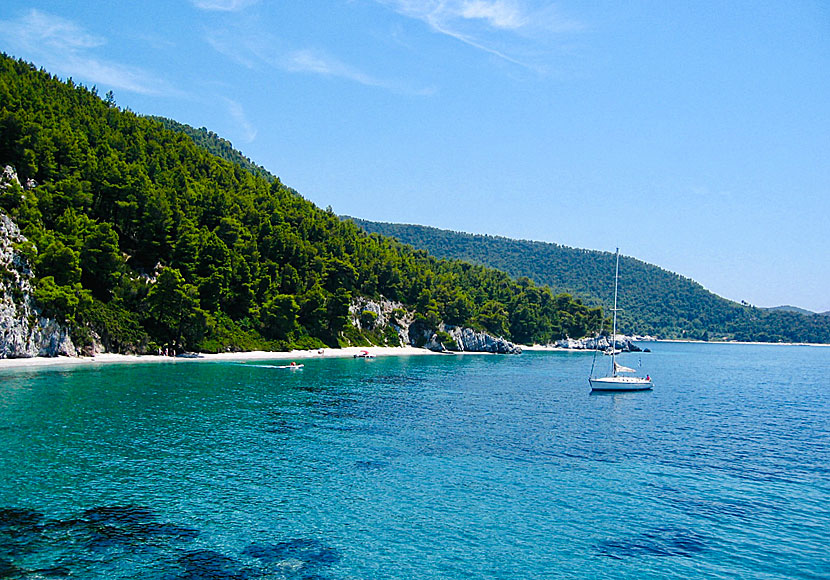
(695, 136)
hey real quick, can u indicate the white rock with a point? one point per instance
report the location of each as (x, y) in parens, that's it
(24, 332)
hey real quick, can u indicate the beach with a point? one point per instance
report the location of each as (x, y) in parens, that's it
(294, 355)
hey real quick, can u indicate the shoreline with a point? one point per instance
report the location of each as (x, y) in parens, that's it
(346, 352)
(109, 358)
(544, 347)
(739, 342)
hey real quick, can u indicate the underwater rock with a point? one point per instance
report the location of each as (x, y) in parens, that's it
(309, 551)
(123, 515)
(371, 464)
(129, 525)
(657, 542)
(8, 569)
(106, 536)
(19, 518)
(210, 565)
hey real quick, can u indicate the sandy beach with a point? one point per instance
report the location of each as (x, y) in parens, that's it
(294, 355)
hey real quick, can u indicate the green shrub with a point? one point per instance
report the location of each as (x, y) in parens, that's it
(445, 339)
(368, 319)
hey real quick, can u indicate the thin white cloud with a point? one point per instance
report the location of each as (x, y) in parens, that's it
(507, 29)
(237, 113)
(262, 49)
(318, 62)
(499, 14)
(37, 28)
(438, 26)
(66, 48)
(223, 5)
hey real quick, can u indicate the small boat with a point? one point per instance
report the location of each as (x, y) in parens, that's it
(618, 380)
(363, 354)
(293, 366)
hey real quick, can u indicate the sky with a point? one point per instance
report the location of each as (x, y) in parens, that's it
(694, 136)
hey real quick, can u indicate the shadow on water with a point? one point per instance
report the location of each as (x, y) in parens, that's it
(655, 542)
(208, 565)
(621, 394)
(31, 545)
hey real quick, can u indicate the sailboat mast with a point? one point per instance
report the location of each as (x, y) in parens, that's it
(614, 327)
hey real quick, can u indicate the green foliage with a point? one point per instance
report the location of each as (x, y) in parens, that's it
(61, 263)
(492, 317)
(181, 247)
(216, 145)
(279, 317)
(173, 310)
(63, 302)
(368, 319)
(446, 340)
(226, 335)
(120, 330)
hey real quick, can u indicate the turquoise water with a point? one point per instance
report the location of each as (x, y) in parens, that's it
(471, 466)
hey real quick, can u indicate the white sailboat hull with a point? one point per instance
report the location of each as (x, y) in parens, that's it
(620, 384)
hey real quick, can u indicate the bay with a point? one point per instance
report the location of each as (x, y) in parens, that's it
(471, 466)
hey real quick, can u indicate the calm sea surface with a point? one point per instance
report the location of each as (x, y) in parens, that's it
(451, 467)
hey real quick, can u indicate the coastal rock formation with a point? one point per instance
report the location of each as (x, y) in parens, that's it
(470, 340)
(23, 331)
(415, 332)
(623, 343)
(387, 313)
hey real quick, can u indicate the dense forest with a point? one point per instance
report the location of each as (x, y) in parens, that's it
(653, 300)
(143, 238)
(216, 145)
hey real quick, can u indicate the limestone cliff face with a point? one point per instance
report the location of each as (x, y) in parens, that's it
(415, 333)
(467, 339)
(23, 331)
(624, 343)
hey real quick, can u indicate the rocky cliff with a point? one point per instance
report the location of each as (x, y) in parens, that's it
(23, 331)
(414, 332)
(623, 343)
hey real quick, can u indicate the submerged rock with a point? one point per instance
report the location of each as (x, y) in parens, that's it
(303, 556)
(15, 518)
(207, 564)
(656, 542)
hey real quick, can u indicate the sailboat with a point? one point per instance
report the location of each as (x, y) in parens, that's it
(621, 378)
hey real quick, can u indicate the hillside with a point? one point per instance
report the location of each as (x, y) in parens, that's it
(140, 238)
(796, 309)
(216, 145)
(654, 301)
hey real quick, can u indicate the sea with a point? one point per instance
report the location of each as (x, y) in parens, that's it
(420, 467)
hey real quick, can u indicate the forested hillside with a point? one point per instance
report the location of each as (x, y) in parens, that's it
(216, 145)
(143, 238)
(654, 301)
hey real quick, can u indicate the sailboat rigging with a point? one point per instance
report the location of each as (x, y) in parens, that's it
(618, 379)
